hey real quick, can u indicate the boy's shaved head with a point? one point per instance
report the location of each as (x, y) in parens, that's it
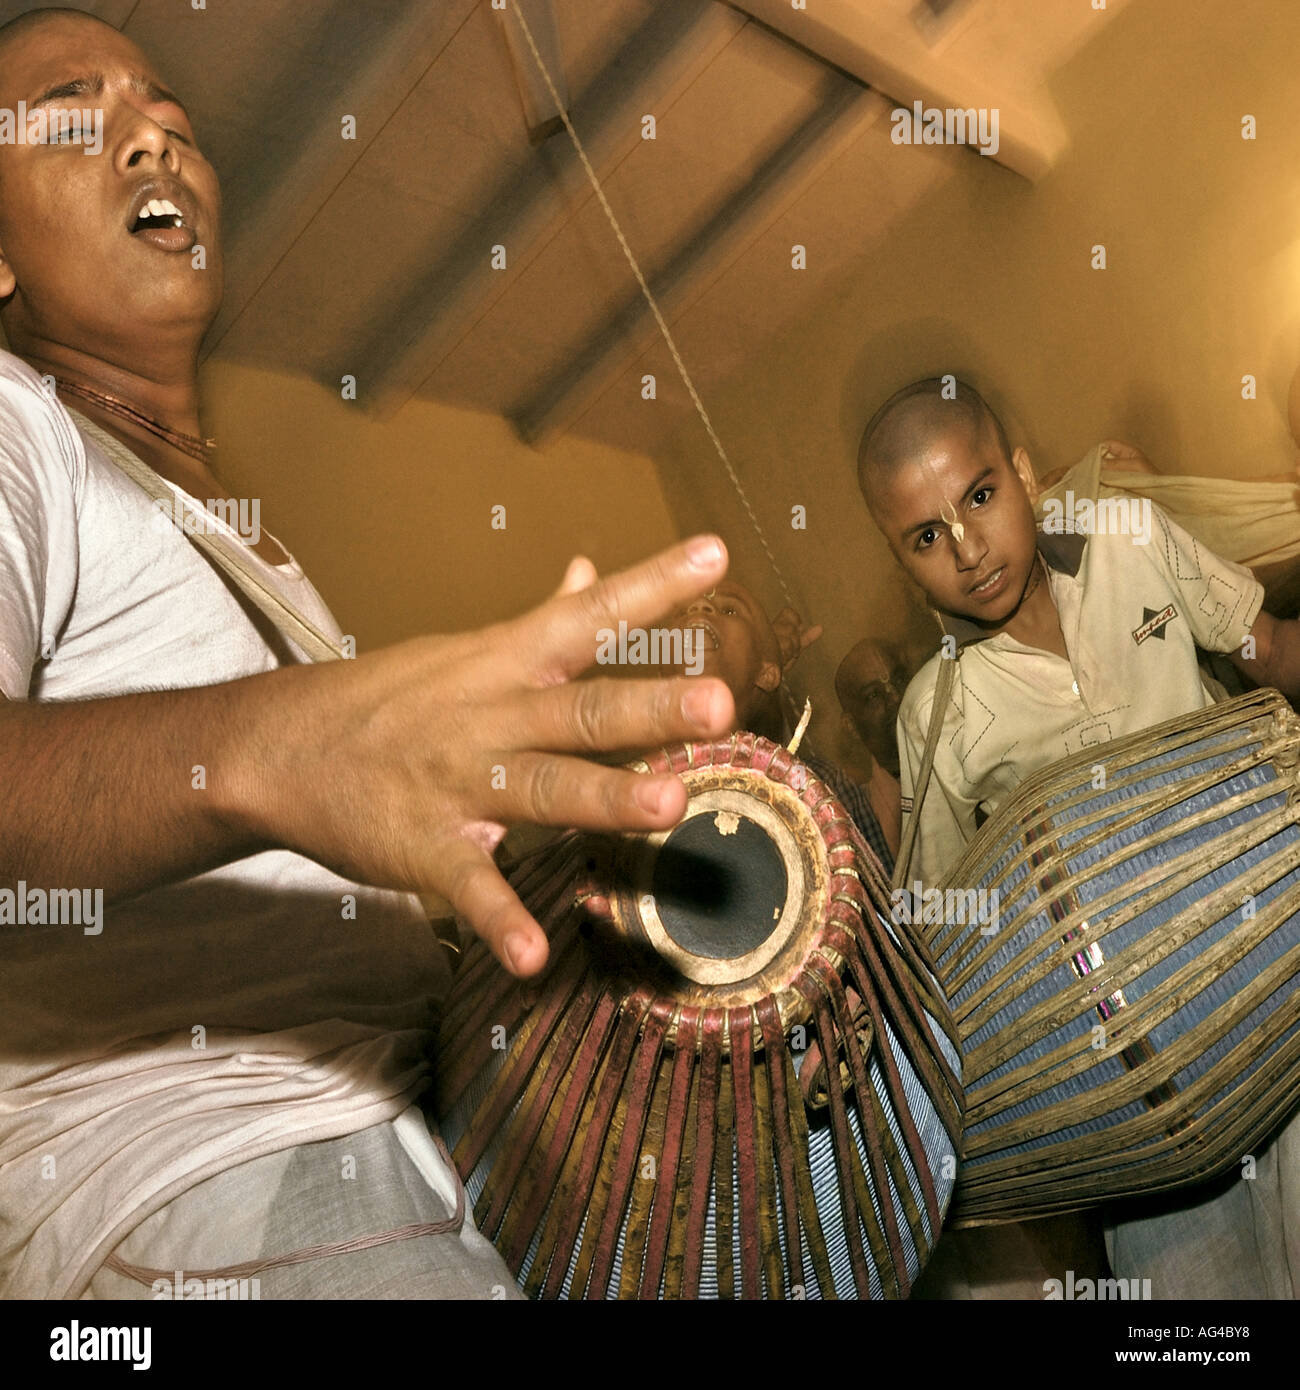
(913, 419)
(952, 499)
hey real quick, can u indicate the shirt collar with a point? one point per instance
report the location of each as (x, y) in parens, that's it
(1063, 553)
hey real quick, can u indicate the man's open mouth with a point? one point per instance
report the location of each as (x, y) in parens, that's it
(706, 628)
(163, 219)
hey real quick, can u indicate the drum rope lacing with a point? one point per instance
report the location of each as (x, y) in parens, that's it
(601, 1070)
(452, 1225)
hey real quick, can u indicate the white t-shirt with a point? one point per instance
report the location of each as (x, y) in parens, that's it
(210, 1021)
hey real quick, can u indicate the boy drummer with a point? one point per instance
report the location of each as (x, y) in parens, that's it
(1065, 641)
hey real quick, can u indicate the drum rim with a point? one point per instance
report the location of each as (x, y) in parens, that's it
(751, 761)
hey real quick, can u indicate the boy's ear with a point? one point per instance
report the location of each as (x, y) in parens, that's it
(769, 676)
(1025, 472)
(8, 280)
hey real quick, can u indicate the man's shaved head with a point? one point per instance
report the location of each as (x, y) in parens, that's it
(82, 269)
(868, 659)
(34, 19)
(869, 685)
(913, 419)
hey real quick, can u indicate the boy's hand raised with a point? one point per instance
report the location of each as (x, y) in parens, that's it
(793, 635)
(404, 768)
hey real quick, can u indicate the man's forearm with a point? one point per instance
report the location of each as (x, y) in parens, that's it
(131, 792)
(402, 768)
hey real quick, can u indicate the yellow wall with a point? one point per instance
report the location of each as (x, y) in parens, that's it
(391, 520)
(989, 276)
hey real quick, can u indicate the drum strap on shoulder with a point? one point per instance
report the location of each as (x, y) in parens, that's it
(942, 694)
(222, 551)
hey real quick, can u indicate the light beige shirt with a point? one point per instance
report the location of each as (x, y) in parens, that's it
(1132, 615)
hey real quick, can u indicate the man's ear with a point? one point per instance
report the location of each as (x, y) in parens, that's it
(1025, 471)
(769, 676)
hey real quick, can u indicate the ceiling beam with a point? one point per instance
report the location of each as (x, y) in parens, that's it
(888, 52)
(658, 62)
(385, 76)
(842, 112)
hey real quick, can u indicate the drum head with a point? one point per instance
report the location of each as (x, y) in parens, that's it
(719, 886)
(734, 896)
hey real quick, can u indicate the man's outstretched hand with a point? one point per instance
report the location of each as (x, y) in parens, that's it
(404, 768)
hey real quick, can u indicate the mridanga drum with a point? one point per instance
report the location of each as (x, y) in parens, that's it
(1130, 1012)
(655, 1116)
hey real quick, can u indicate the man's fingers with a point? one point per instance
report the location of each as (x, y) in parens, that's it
(547, 789)
(593, 716)
(486, 901)
(561, 639)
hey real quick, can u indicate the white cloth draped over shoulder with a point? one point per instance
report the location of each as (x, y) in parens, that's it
(1254, 523)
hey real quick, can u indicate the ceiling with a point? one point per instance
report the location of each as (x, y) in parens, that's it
(373, 256)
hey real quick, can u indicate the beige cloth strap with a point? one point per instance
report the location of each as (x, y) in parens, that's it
(220, 549)
(942, 694)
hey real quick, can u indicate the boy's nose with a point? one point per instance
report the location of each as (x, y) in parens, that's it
(970, 549)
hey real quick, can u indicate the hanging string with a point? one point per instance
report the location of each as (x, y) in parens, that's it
(650, 300)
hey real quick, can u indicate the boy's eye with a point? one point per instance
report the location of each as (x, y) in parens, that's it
(927, 538)
(981, 495)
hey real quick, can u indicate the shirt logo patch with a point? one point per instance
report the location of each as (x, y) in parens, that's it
(1154, 624)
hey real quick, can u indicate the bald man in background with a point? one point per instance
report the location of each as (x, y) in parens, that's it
(869, 684)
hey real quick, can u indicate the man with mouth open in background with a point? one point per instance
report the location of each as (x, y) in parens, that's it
(751, 653)
(226, 1073)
